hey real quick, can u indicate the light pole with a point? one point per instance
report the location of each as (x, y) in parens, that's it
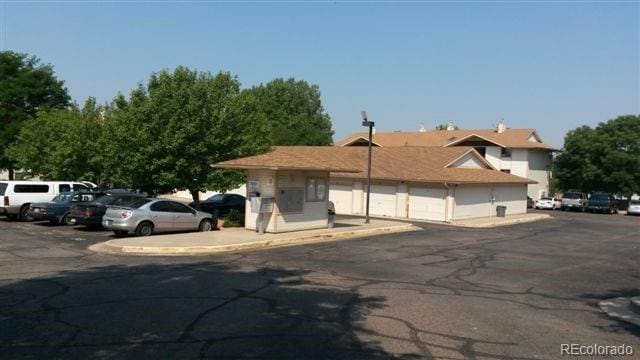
(369, 124)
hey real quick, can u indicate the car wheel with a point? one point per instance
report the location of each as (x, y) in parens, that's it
(144, 229)
(205, 225)
(66, 221)
(24, 213)
(120, 233)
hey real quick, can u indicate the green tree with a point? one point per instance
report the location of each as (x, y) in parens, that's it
(294, 112)
(26, 86)
(444, 127)
(170, 131)
(61, 143)
(605, 158)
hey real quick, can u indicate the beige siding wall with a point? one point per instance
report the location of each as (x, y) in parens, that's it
(539, 167)
(519, 162)
(314, 214)
(473, 201)
(514, 197)
(492, 154)
(469, 161)
(358, 197)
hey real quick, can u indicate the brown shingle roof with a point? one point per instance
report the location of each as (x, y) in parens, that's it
(511, 138)
(418, 164)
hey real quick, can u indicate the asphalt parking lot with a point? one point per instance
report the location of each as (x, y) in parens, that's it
(515, 292)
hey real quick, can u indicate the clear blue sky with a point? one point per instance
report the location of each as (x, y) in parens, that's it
(551, 66)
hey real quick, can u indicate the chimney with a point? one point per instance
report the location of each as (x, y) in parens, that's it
(501, 127)
(423, 128)
(450, 126)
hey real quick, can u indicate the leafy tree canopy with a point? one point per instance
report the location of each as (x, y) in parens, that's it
(60, 144)
(294, 112)
(444, 127)
(26, 86)
(170, 131)
(604, 158)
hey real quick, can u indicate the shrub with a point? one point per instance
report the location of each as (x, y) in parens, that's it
(233, 219)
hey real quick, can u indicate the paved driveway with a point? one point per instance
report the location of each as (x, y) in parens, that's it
(514, 292)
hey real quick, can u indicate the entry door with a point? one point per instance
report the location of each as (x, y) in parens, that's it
(342, 198)
(383, 200)
(427, 204)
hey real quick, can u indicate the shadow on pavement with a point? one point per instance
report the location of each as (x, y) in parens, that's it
(618, 326)
(204, 310)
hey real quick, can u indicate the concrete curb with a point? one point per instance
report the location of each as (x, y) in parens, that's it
(505, 222)
(109, 247)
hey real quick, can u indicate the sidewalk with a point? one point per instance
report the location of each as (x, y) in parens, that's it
(231, 239)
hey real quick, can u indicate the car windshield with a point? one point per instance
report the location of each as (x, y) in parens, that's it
(63, 198)
(571, 196)
(545, 198)
(216, 197)
(104, 200)
(634, 202)
(599, 197)
(137, 203)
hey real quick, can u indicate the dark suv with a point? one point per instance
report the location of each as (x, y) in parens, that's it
(602, 202)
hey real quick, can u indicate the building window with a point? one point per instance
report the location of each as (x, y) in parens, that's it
(505, 153)
(316, 189)
(506, 171)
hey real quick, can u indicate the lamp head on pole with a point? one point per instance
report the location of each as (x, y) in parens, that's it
(365, 121)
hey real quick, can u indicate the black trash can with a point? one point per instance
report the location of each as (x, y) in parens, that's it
(501, 211)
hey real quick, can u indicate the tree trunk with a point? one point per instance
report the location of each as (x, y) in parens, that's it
(11, 174)
(195, 195)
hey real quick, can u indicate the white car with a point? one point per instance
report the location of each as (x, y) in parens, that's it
(634, 207)
(548, 203)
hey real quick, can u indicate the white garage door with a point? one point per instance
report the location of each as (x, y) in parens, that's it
(383, 200)
(341, 196)
(427, 204)
(472, 201)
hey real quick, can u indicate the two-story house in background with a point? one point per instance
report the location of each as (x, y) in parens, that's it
(519, 152)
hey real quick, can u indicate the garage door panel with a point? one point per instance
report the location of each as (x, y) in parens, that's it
(383, 200)
(342, 198)
(472, 201)
(427, 204)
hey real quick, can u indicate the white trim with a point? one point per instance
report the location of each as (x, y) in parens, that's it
(360, 138)
(470, 135)
(476, 154)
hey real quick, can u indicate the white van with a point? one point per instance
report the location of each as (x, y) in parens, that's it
(16, 196)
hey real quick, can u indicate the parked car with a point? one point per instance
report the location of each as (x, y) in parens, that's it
(548, 203)
(57, 210)
(574, 201)
(602, 202)
(634, 207)
(17, 196)
(146, 216)
(530, 203)
(91, 213)
(220, 204)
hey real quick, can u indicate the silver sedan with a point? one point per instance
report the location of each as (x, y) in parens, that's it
(147, 216)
